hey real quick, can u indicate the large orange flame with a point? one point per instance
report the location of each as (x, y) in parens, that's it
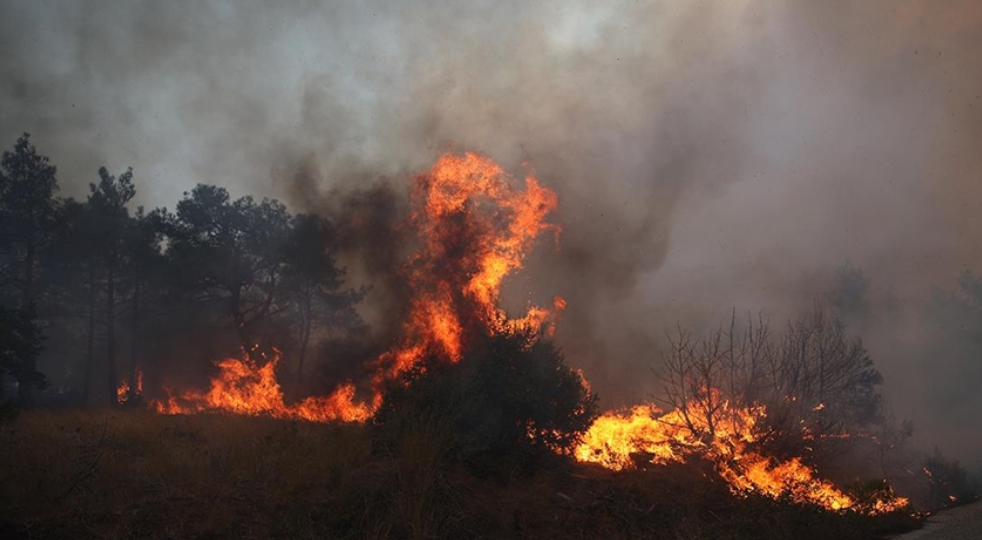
(474, 227)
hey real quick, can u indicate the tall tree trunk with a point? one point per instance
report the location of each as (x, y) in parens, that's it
(111, 331)
(29, 366)
(135, 337)
(90, 350)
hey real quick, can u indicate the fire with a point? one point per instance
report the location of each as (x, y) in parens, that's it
(123, 393)
(474, 228)
(726, 438)
(251, 388)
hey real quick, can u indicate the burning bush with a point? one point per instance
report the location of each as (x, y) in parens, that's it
(760, 410)
(511, 396)
(819, 385)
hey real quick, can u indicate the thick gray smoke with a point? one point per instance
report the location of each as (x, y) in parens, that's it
(706, 154)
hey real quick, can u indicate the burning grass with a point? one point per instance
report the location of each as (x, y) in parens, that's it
(729, 439)
(135, 474)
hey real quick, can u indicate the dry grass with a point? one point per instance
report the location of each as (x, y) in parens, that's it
(126, 474)
(134, 474)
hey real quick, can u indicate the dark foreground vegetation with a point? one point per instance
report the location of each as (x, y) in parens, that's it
(134, 474)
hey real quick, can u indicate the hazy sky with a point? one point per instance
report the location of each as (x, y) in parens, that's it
(707, 154)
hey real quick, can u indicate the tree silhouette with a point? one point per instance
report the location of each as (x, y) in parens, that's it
(145, 261)
(108, 200)
(21, 341)
(75, 269)
(230, 253)
(816, 382)
(30, 220)
(312, 284)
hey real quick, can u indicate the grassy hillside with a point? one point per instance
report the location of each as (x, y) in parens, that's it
(134, 474)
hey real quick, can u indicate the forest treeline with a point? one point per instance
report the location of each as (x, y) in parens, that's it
(97, 289)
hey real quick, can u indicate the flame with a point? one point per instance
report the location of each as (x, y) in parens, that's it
(474, 228)
(726, 438)
(123, 393)
(249, 387)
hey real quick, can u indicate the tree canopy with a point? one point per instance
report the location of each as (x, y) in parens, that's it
(216, 276)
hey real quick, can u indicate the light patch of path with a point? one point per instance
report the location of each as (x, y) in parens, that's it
(962, 523)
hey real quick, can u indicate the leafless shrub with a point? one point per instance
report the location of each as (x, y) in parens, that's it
(818, 384)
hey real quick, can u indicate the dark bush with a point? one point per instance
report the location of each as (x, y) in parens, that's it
(512, 399)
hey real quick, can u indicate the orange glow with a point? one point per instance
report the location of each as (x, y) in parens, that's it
(617, 439)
